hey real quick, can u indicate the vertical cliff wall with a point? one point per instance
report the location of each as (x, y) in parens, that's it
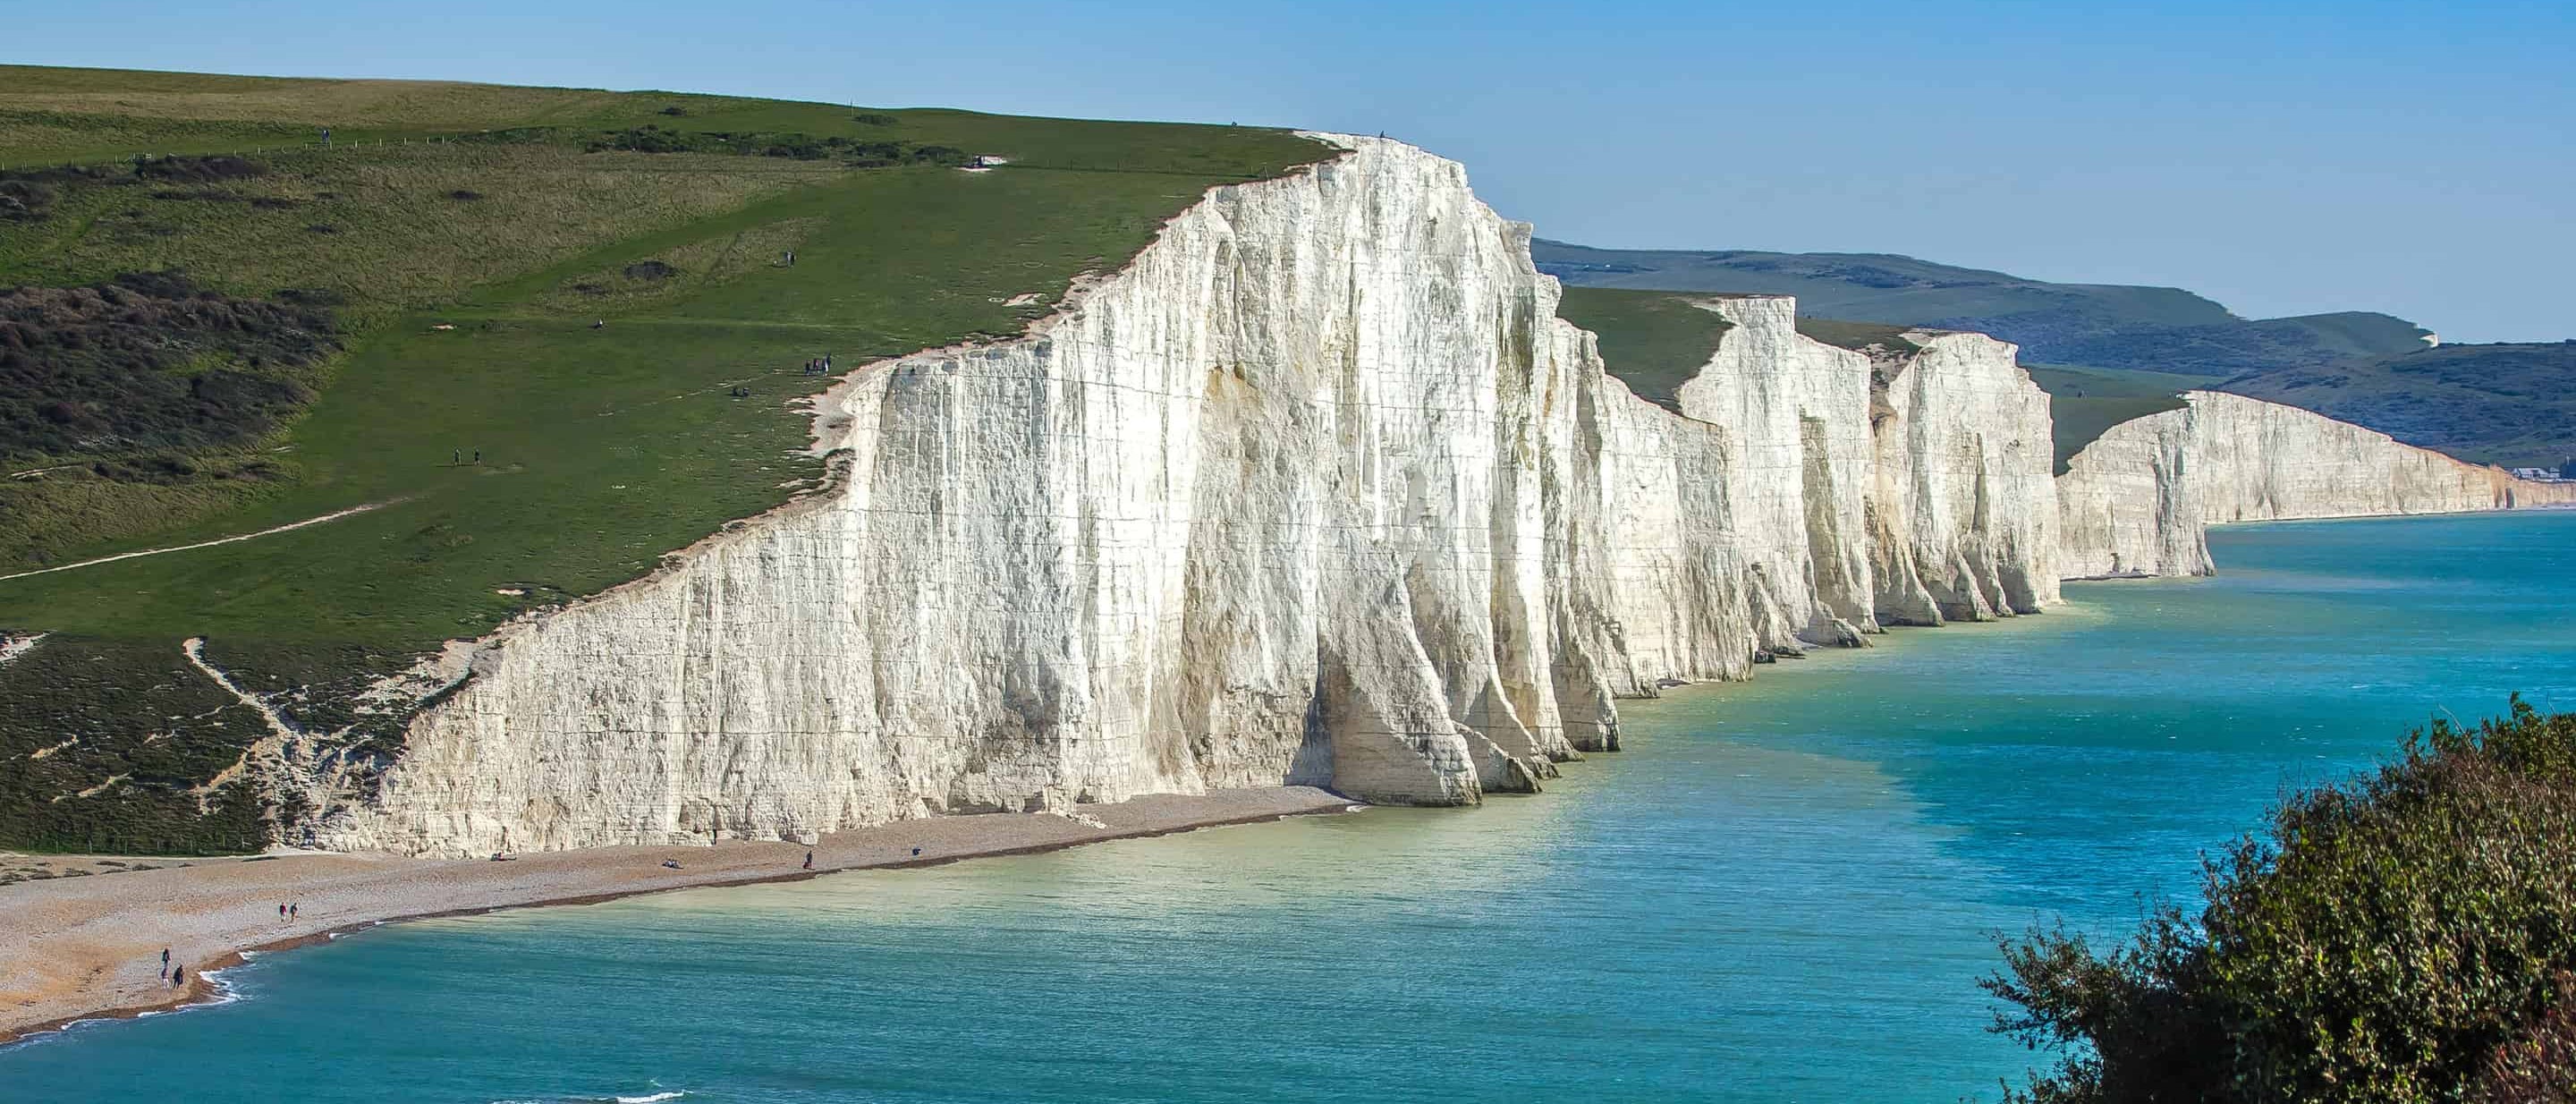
(1964, 511)
(1912, 489)
(1288, 500)
(1318, 490)
(2136, 501)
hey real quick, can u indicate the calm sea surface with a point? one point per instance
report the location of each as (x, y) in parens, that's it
(1783, 891)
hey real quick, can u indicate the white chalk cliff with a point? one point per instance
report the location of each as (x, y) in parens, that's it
(2137, 500)
(1317, 490)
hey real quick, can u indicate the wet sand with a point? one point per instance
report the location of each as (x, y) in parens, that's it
(75, 948)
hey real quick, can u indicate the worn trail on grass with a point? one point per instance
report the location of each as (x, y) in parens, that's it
(334, 515)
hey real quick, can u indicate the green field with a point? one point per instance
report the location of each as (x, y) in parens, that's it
(2098, 325)
(2115, 352)
(465, 272)
(2084, 402)
(1654, 341)
(1859, 337)
(2507, 404)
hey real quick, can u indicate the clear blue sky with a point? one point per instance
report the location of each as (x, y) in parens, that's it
(2283, 158)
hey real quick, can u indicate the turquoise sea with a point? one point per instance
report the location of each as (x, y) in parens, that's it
(1783, 891)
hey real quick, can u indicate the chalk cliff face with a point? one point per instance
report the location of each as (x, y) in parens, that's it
(1964, 514)
(1318, 490)
(2135, 501)
(1912, 490)
(1285, 501)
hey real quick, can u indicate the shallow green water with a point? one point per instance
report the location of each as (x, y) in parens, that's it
(1783, 891)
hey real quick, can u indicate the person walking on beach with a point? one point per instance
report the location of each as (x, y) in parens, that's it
(281, 912)
(178, 975)
(809, 860)
(293, 909)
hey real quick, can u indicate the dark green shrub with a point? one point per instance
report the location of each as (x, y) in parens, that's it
(2404, 937)
(25, 200)
(149, 361)
(199, 170)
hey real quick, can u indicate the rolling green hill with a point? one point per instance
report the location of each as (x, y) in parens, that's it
(2091, 325)
(1653, 341)
(2108, 352)
(2508, 404)
(534, 338)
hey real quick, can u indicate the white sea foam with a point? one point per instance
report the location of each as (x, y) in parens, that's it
(674, 1095)
(223, 994)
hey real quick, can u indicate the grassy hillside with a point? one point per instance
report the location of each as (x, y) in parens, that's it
(1879, 287)
(2091, 325)
(2083, 402)
(2108, 353)
(548, 335)
(2513, 405)
(1653, 341)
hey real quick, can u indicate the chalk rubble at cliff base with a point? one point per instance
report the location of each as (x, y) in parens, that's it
(1317, 491)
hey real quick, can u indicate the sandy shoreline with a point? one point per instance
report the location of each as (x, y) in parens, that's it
(80, 948)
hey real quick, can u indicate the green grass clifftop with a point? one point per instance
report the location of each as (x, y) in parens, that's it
(534, 338)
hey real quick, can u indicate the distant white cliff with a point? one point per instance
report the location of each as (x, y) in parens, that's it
(2137, 500)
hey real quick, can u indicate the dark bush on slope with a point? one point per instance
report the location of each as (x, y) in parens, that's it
(2407, 936)
(652, 138)
(148, 361)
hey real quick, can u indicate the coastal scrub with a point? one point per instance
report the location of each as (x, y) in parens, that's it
(2406, 936)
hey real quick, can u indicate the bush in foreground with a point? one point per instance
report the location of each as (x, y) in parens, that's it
(2407, 936)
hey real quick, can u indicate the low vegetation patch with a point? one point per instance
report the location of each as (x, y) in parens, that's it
(382, 227)
(619, 288)
(652, 138)
(149, 362)
(1654, 341)
(2084, 403)
(2508, 404)
(2408, 936)
(1878, 339)
(115, 746)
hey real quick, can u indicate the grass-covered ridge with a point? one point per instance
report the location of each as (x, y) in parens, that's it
(466, 243)
(2508, 404)
(2111, 353)
(2084, 403)
(1654, 341)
